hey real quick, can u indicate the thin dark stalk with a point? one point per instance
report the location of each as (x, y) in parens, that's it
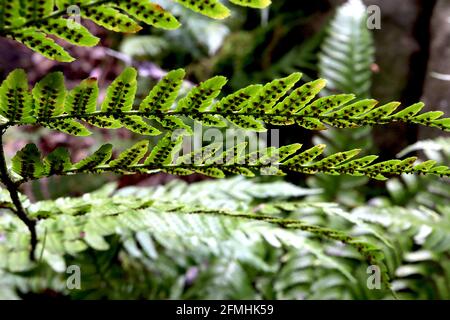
(14, 193)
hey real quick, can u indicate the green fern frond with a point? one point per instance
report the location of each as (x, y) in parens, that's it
(28, 163)
(248, 108)
(75, 225)
(30, 22)
(348, 51)
(288, 264)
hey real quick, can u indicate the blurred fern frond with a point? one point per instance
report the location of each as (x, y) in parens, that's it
(31, 22)
(182, 257)
(348, 51)
(77, 230)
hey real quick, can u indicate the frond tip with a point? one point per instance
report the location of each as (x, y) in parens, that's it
(216, 162)
(276, 103)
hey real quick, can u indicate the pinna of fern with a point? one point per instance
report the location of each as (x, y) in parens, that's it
(30, 22)
(275, 103)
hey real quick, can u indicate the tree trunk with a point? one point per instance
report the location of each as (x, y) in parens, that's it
(437, 82)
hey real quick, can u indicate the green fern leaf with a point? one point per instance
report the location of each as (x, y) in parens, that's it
(250, 108)
(236, 101)
(177, 171)
(68, 126)
(211, 172)
(15, 100)
(230, 160)
(64, 4)
(260, 4)
(381, 112)
(100, 157)
(105, 122)
(208, 120)
(268, 96)
(130, 156)
(409, 112)
(425, 166)
(358, 163)
(38, 42)
(300, 97)
(9, 13)
(429, 118)
(230, 156)
(164, 94)
(273, 155)
(322, 105)
(150, 13)
(173, 123)
(306, 156)
(120, 94)
(337, 158)
(198, 157)
(36, 9)
(200, 98)
(49, 96)
(246, 122)
(311, 123)
(348, 51)
(211, 8)
(57, 162)
(72, 33)
(163, 152)
(27, 163)
(354, 110)
(241, 171)
(83, 98)
(111, 19)
(138, 125)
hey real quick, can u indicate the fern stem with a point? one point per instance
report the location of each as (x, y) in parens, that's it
(14, 193)
(299, 169)
(268, 117)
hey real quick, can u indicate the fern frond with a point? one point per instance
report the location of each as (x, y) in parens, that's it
(28, 163)
(348, 51)
(248, 108)
(15, 99)
(75, 225)
(30, 22)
